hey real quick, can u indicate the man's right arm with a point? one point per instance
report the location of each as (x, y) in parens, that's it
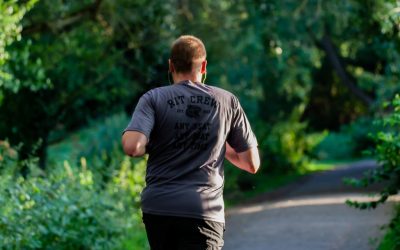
(248, 160)
(134, 143)
(241, 143)
(137, 134)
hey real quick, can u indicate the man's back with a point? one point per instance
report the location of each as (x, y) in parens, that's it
(188, 125)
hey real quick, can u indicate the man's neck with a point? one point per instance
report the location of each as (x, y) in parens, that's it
(179, 77)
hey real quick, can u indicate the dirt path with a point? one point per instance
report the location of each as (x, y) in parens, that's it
(309, 214)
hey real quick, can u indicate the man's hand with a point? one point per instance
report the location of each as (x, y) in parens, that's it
(134, 143)
(248, 160)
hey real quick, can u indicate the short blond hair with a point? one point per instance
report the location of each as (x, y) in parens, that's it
(187, 52)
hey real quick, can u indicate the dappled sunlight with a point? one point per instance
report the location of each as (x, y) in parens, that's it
(306, 201)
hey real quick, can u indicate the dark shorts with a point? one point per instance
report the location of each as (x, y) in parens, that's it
(180, 233)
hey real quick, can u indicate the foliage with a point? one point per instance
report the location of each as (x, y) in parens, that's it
(359, 132)
(347, 143)
(335, 146)
(8, 157)
(387, 153)
(298, 67)
(391, 239)
(98, 137)
(79, 60)
(70, 208)
(286, 146)
(280, 68)
(11, 14)
(74, 62)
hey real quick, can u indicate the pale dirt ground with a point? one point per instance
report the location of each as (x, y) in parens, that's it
(309, 215)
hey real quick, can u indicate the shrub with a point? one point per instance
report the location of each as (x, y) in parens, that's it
(70, 208)
(286, 146)
(8, 157)
(335, 146)
(97, 139)
(392, 238)
(387, 153)
(359, 132)
(349, 142)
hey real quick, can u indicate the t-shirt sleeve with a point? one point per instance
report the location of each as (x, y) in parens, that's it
(240, 137)
(143, 117)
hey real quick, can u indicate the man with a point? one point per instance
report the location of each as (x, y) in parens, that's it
(188, 129)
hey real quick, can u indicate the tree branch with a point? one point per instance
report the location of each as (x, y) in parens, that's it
(56, 26)
(297, 12)
(314, 39)
(331, 52)
(334, 58)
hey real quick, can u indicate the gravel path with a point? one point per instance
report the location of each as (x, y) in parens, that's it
(308, 215)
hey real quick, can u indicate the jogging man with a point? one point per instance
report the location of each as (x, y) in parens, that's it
(188, 128)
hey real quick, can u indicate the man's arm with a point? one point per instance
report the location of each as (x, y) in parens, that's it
(134, 143)
(137, 134)
(248, 160)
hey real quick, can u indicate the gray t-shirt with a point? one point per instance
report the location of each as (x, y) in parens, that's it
(187, 125)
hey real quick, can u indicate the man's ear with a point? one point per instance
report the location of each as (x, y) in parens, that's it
(203, 67)
(170, 66)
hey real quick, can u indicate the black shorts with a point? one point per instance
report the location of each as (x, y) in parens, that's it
(180, 233)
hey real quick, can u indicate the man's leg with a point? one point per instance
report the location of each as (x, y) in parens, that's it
(201, 235)
(160, 232)
(179, 233)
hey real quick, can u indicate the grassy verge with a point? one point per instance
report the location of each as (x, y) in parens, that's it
(137, 239)
(391, 240)
(262, 183)
(388, 242)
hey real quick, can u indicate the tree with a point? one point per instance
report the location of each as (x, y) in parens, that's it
(84, 59)
(11, 14)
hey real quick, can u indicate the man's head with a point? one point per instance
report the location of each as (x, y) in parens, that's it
(188, 56)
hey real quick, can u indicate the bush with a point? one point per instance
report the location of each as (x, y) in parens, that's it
(98, 138)
(8, 157)
(286, 146)
(70, 208)
(351, 141)
(392, 238)
(387, 153)
(359, 132)
(335, 146)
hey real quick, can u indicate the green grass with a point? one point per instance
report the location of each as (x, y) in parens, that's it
(388, 241)
(321, 166)
(137, 239)
(263, 183)
(324, 165)
(391, 240)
